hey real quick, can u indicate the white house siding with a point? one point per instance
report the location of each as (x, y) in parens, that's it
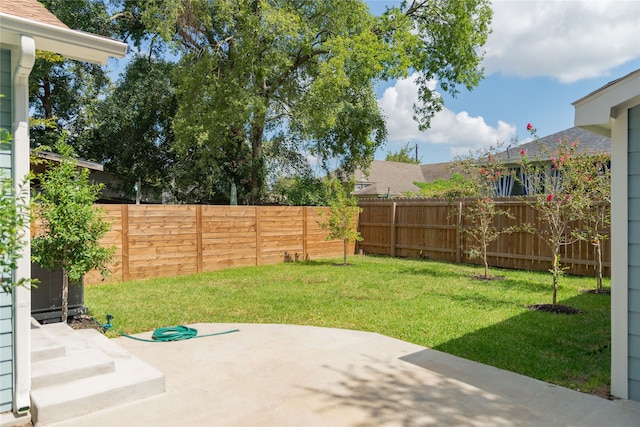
(634, 252)
(6, 304)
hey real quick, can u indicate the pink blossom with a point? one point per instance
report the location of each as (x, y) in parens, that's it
(574, 144)
(497, 173)
(523, 152)
(549, 197)
(553, 159)
(529, 126)
(561, 159)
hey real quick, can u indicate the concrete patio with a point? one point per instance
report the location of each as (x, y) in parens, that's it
(285, 375)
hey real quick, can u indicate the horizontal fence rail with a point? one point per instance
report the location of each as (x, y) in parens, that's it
(429, 229)
(172, 240)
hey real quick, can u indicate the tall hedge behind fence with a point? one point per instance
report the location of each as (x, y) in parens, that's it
(171, 240)
(432, 229)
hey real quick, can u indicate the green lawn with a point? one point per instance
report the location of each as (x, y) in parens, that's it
(433, 304)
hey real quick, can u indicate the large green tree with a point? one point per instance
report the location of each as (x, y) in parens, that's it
(303, 71)
(132, 133)
(62, 91)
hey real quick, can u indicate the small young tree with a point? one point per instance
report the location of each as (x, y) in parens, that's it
(343, 214)
(14, 216)
(553, 188)
(487, 177)
(72, 226)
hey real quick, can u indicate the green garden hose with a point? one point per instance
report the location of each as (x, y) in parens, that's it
(164, 334)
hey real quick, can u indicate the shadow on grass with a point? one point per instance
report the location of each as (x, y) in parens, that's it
(427, 270)
(476, 299)
(570, 350)
(320, 262)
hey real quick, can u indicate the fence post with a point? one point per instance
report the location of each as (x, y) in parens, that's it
(125, 242)
(393, 229)
(258, 238)
(459, 235)
(304, 233)
(199, 263)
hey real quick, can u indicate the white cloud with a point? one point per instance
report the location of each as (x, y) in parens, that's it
(565, 40)
(459, 131)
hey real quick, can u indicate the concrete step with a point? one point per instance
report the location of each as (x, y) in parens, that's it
(93, 373)
(75, 364)
(43, 345)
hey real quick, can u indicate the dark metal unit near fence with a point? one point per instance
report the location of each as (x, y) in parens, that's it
(46, 298)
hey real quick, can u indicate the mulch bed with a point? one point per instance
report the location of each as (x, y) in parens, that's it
(558, 309)
(84, 322)
(595, 291)
(482, 277)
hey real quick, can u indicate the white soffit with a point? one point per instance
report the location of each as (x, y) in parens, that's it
(71, 44)
(594, 111)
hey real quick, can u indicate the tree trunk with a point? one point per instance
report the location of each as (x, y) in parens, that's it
(486, 263)
(344, 258)
(256, 180)
(556, 270)
(599, 264)
(65, 296)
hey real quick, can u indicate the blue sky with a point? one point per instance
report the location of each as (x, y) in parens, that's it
(540, 57)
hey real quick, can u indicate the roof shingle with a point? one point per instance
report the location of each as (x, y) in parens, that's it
(32, 10)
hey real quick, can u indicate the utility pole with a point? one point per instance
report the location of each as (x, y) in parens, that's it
(417, 152)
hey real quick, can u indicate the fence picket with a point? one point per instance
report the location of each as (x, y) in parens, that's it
(432, 229)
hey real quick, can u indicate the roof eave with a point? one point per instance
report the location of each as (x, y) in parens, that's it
(594, 111)
(72, 44)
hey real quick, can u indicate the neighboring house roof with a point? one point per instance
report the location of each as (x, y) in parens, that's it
(394, 178)
(54, 157)
(542, 148)
(97, 174)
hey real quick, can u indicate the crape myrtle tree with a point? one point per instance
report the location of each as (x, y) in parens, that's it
(487, 177)
(594, 180)
(303, 71)
(554, 186)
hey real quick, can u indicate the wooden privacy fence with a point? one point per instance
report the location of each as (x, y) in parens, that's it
(171, 240)
(432, 229)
